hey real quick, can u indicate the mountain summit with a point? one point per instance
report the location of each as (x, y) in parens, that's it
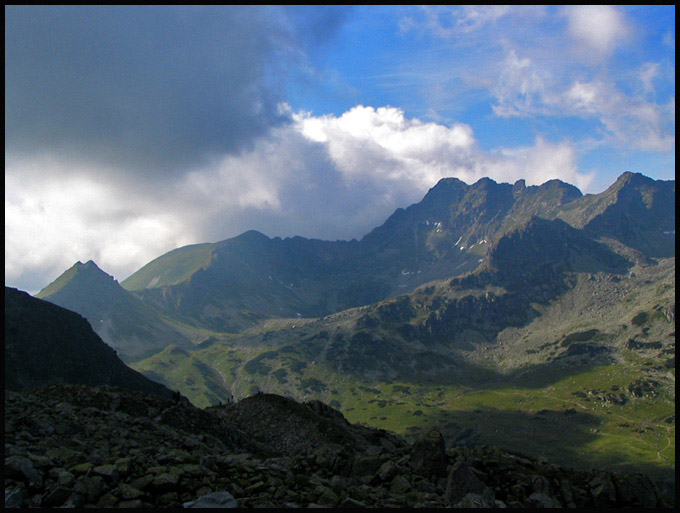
(122, 320)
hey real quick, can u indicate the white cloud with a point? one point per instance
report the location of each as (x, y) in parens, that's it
(520, 89)
(525, 89)
(648, 74)
(382, 142)
(385, 146)
(57, 213)
(448, 22)
(629, 121)
(538, 163)
(599, 29)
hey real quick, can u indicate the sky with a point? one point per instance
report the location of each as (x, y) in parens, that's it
(134, 130)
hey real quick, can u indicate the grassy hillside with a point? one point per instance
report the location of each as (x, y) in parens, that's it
(588, 382)
(171, 268)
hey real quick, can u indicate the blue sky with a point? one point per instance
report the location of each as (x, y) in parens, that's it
(422, 60)
(134, 130)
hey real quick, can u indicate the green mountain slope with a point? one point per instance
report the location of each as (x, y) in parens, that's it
(122, 320)
(553, 327)
(587, 378)
(171, 268)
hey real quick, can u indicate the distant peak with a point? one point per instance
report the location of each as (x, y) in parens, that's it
(90, 265)
(446, 190)
(78, 272)
(447, 182)
(632, 178)
(253, 233)
(250, 236)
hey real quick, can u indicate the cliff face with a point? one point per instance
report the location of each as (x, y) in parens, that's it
(68, 445)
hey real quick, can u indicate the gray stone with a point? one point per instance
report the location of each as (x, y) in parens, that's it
(107, 501)
(128, 493)
(428, 454)
(213, 500)
(400, 485)
(603, 490)
(14, 498)
(56, 497)
(366, 465)
(75, 500)
(388, 470)
(636, 490)
(326, 497)
(351, 503)
(22, 468)
(65, 478)
(165, 481)
(131, 504)
(109, 472)
(464, 480)
(543, 500)
(474, 500)
(539, 484)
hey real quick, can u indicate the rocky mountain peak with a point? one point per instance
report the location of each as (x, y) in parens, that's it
(86, 274)
(632, 179)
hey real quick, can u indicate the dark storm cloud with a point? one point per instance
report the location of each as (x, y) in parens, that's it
(150, 89)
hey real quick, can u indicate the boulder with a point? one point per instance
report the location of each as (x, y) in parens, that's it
(474, 500)
(428, 454)
(21, 467)
(463, 480)
(213, 500)
(636, 490)
(542, 500)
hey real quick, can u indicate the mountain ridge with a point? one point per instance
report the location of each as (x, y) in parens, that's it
(239, 283)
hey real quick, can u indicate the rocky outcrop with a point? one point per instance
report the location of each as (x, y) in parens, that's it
(75, 446)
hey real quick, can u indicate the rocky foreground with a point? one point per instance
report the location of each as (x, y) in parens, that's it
(78, 446)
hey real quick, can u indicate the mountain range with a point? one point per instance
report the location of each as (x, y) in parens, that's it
(238, 283)
(531, 317)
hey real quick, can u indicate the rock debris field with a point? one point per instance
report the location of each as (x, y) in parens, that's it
(77, 446)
